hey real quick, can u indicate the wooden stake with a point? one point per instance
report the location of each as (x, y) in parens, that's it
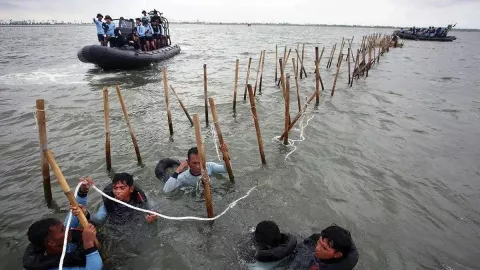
(317, 79)
(336, 75)
(130, 129)
(301, 64)
(276, 63)
(165, 90)
(298, 60)
(303, 54)
(235, 86)
(258, 72)
(205, 92)
(203, 163)
(106, 110)
(319, 75)
(68, 192)
(246, 81)
(261, 73)
(299, 114)
(348, 60)
(257, 126)
(282, 76)
(226, 158)
(341, 51)
(287, 109)
(297, 87)
(331, 55)
(42, 135)
(181, 105)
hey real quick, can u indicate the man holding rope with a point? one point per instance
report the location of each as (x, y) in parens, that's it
(190, 171)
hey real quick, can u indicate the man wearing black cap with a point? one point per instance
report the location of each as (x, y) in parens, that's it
(100, 31)
(145, 16)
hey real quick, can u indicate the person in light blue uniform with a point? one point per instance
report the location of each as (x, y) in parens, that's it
(148, 35)
(109, 31)
(141, 33)
(145, 16)
(183, 177)
(46, 236)
(100, 32)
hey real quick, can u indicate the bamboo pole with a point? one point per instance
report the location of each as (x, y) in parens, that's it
(336, 76)
(165, 90)
(68, 192)
(257, 126)
(320, 76)
(298, 60)
(203, 164)
(42, 135)
(301, 64)
(205, 93)
(246, 81)
(297, 87)
(226, 158)
(287, 108)
(258, 72)
(331, 56)
(282, 76)
(341, 51)
(299, 114)
(130, 129)
(276, 63)
(301, 68)
(317, 79)
(235, 86)
(261, 73)
(182, 105)
(348, 60)
(106, 109)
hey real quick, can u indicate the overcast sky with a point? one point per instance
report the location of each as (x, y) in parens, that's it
(364, 12)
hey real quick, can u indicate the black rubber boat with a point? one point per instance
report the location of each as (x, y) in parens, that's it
(114, 58)
(412, 37)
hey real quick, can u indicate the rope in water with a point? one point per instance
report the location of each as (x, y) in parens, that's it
(302, 137)
(230, 206)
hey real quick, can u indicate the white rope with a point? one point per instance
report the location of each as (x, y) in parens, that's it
(65, 239)
(302, 137)
(230, 206)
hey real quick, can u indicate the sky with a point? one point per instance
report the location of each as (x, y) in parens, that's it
(351, 12)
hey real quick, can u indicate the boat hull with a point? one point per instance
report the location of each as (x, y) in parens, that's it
(412, 37)
(113, 58)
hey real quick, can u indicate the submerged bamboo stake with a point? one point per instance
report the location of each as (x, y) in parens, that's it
(235, 86)
(165, 90)
(301, 64)
(68, 192)
(203, 164)
(336, 76)
(226, 158)
(341, 51)
(246, 81)
(298, 60)
(331, 56)
(42, 134)
(348, 60)
(130, 129)
(261, 73)
(301, 68)
(258, 72)
(299, 114)
(205, 91)
(181, 105)
(257, 126)
(106, 109)
(282, 76)
(317, 79)
(297, 87)
(320, 76)
(287, 109)
(276, 63)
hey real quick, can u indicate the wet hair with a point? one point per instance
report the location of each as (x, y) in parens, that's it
(267, 233)
(123, 177)
(338, 238)
(39, 230)
(192, 151)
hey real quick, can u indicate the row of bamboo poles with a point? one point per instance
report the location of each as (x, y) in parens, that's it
(374, 44)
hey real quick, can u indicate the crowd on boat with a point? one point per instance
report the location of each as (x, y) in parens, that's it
(146, 33)
(430, 32)
(330, 249)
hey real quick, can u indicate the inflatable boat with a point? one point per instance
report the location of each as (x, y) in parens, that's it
(412, 37)
(114, 58)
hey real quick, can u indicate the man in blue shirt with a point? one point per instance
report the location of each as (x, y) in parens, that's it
(141, 33)
(100, 32)
(110, 30)
(46, 243)
(183, 177)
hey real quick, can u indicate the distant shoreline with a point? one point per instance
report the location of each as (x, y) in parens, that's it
(245, 24)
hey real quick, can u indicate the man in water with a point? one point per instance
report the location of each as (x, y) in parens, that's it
(122, 189)
(46, 238)
(100, 32)
(189, 172)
